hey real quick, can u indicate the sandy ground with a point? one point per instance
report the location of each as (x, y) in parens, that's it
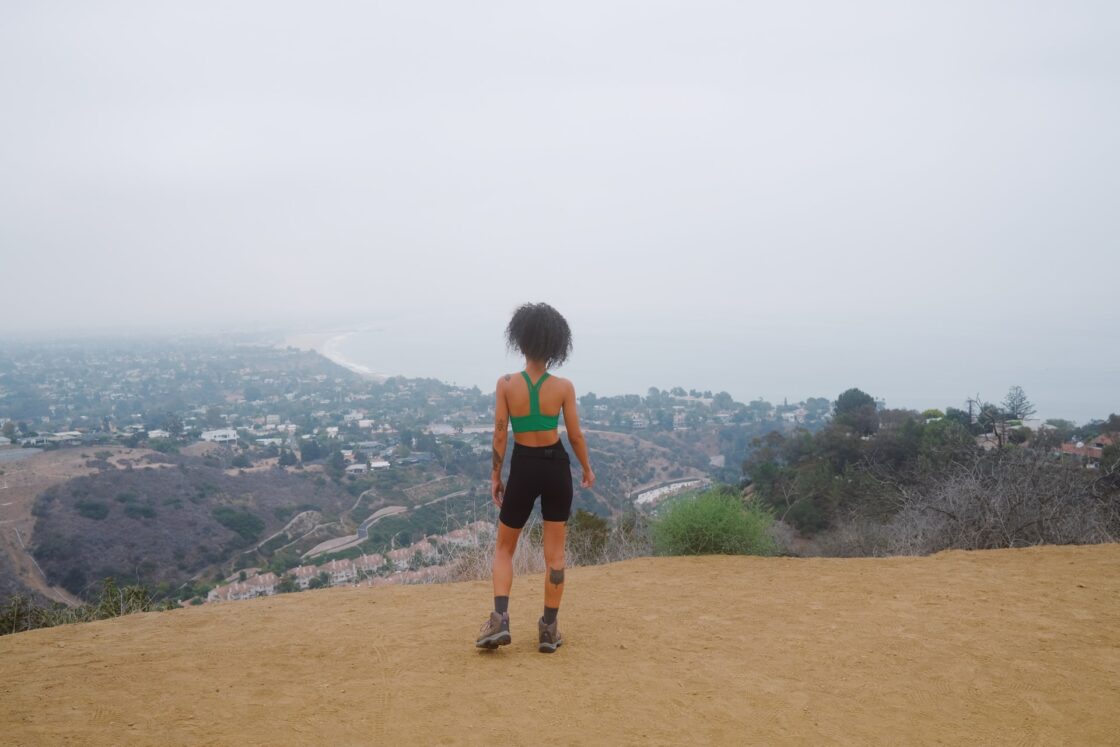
(1005, 647)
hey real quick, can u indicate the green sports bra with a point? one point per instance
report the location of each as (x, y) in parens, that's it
(535, 420)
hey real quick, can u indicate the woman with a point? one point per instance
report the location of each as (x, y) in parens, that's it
(531, 402)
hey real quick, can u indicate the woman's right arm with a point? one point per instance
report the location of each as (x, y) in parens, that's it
(575, 435)
(501, 436)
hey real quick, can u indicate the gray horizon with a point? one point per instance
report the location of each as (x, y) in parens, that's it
(917, 200)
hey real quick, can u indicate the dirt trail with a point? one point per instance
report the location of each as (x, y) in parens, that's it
(1003, 647)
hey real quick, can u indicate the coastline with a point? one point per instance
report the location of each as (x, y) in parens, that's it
(326, 344)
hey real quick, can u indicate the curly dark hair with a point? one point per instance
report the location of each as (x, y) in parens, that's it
(540, 333)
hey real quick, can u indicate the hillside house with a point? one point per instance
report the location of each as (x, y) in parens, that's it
(426, 549)
(304, 574)
(264, 585)
(369, 563)
(1089, 451)
(340, 571)
(220, 436)
(400, 557)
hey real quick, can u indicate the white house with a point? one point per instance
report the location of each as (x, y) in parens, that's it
(369, 563)
(220, 436)
(340, 571)
(304, 573)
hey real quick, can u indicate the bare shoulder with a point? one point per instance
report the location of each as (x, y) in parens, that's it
(565, 384)
(503, 380)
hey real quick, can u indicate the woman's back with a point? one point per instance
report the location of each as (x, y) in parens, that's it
(550, 392)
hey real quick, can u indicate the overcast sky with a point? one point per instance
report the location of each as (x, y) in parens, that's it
(927, 173)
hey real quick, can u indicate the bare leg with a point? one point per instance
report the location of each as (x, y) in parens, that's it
(554, 534)
(503, 559)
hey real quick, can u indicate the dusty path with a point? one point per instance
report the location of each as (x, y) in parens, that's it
(1006, 647)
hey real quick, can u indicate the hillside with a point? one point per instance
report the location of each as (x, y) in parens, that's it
(165, 518)
(26, 474)
(1006, 646)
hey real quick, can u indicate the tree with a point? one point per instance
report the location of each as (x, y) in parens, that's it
(856, 409)
(1016, 404)
(722, 401)
(405, 437)
(336, 465)
(214, 417)
(851, 400)
(817, 406)
(960, 416)
(287, 458)
(9, 430)
(991, 418)
(310, 450)
(173, 424)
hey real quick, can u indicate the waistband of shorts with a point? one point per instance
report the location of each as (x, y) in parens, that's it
(552, 451)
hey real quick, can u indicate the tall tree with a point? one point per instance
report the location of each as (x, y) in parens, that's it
(1016, 404)
(856, 409)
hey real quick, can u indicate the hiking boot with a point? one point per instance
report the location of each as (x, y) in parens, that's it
(494, 632)
(550, 639)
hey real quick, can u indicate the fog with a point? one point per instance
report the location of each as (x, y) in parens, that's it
(918, 198)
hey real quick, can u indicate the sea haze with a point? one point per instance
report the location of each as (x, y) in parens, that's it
(613, 354)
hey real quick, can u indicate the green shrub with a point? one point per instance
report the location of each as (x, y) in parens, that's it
(246, 524)
(714, 522)
(135, 511)
(92, 509)
(21, 613)
(164, 446)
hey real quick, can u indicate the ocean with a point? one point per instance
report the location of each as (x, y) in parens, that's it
(464, 346)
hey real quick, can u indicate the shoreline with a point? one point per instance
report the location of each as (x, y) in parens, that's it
(326, 345)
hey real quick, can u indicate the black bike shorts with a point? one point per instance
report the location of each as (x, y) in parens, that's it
(537, 470)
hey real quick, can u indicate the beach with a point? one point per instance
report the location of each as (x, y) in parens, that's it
(327, 344)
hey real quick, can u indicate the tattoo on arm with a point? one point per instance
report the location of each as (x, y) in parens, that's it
(556, 576)
(497, 460)
(507, 377)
